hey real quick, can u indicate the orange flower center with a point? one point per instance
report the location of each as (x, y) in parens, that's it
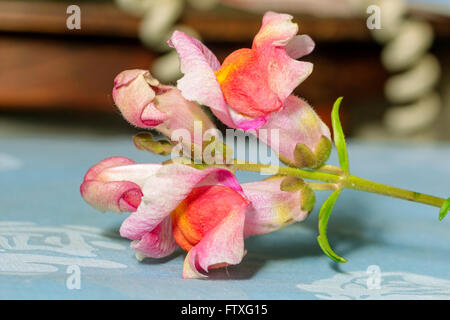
(244, 83)
(202, 210)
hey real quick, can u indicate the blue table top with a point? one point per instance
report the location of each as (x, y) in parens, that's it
(49, 235)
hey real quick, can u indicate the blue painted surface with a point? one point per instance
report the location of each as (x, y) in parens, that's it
(40, 235)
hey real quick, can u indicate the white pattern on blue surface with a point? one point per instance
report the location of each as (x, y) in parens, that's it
(27, 248)
(394, 285)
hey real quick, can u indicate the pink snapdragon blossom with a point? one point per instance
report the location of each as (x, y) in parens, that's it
(205, 212)
(146, 103)
(253, 87)
(106, 193)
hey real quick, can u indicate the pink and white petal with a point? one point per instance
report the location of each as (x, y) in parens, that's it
(151, 116)
(136, 173)
(198, 65)
(164, 191)
(245, 123)
(271, 208)
(106, 194)
(158, 243)
(126, 77)
(134, 97)
(199, 82)
(299, 46)
(182, 114)
(296, 123)
(111, 162)
(285, 73)
(276, 30)
(143, 220)
(222, 246)
(277, 45)
(117, 196)
(225, 116)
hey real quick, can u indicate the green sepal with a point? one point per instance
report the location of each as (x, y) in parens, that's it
(292, 184)
(307, 195)
(303, 156)
(144, 141)
(323, 151)
(308, 198)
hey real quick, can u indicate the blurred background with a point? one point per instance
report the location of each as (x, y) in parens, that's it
(395, 80)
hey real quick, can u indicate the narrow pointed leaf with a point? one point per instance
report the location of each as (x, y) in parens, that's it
(444, 209)
(338, 135)
(324, 216)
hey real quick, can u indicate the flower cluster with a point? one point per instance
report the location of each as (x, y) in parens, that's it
(207, 212)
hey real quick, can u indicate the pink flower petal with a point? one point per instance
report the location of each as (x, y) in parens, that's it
(244, 83)
(198, 65)
(157, 243)
(111, 196)
(96, 170)
(222, 246)
(136, 173)
(297, 123)
(300, 46)
(276, 29)
(246, 123)
(164, 191)
(271, 43)
(286, 74)
(126, 77)
(271, 208)
(151, 116)
(107, 194)
(182, 114)
(199, 82)
(134, 97)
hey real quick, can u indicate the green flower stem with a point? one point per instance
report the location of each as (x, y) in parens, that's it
(318, 186)
(289, 171)
(346, 181)
(357, 183)
(336, 180)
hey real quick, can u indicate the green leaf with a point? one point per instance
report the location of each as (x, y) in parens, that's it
(444, 209)
(324, 216)
(338, 134)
